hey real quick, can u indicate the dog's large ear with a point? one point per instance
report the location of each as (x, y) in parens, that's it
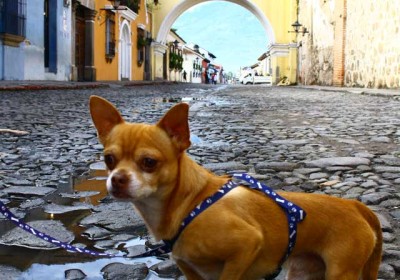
(175, 122)
(104, 115)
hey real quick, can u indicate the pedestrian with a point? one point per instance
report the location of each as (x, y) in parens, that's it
(214, 78)
(184, 75)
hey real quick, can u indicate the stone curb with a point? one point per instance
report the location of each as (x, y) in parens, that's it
(50, 87)
(26, 86)
(362, 91)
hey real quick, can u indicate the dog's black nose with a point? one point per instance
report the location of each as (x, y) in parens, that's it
(119, 180)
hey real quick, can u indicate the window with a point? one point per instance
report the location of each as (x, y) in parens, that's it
(141, 45)
(110, 36)
(13, 18)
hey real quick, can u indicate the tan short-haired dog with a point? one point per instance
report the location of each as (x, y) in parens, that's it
(244, 235)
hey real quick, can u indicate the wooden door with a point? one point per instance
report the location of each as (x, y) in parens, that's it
(80, 46)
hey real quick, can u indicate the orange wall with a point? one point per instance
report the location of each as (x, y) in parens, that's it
(107, 70)
(104, 71)
(137, 71)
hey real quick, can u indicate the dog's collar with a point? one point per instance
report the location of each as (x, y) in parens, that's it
(294, 213)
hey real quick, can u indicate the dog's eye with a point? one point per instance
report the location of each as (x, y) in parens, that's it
(148, 164)
(110, 161)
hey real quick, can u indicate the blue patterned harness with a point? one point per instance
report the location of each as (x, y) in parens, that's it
(294, 213)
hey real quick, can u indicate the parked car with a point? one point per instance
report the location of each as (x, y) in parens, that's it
(253, 79)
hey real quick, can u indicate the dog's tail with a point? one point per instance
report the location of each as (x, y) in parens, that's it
(371, 267)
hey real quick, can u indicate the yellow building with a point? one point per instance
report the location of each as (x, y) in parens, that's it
(122, 39)
(174, 66)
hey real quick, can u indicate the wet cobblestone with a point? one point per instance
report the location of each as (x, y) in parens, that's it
(341, 144)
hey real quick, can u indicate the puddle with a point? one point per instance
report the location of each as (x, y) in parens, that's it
(91, 269)
(51, 264)
(175, 99)
(195, 140)
(96, 183)
(198, 142)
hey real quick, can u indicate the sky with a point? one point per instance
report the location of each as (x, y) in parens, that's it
(229, 31)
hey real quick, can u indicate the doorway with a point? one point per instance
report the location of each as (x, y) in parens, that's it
(80, 42)
(125, 53)
(50, 35)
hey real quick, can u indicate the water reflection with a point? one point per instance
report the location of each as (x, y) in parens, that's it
(96, 182)
(52, 264)
(91, 269)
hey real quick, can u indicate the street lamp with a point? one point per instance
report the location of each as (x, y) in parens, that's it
(296, 27)
(176, 43)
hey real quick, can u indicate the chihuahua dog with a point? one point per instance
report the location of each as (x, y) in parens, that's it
(244, 235)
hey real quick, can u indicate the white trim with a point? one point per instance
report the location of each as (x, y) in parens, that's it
(147, 15)
(186, 4)
(128, 14)
(141, 26)
(159, 49)
(90, 4)
(125, 52)
(279, 49)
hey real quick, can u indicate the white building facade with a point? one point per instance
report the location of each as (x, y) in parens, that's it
(192, 65)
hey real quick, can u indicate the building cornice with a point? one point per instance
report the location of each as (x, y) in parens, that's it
(159, 48)
(128, 14)
(278, 49)
(90, 4)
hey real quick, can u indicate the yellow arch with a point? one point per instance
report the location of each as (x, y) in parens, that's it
(276, 16)
(181, 7)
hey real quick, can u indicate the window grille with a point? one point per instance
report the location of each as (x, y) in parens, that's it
(110, 37)
(13, 17)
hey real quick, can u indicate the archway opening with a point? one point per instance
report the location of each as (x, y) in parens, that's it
(236, 37)
(187, 4)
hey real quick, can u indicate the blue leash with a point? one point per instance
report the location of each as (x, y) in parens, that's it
(163, 249)
(294, 213)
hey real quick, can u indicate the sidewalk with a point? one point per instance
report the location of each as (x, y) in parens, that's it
(366, 91)
(60, 85)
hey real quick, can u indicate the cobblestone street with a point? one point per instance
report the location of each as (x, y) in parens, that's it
(296, 139)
